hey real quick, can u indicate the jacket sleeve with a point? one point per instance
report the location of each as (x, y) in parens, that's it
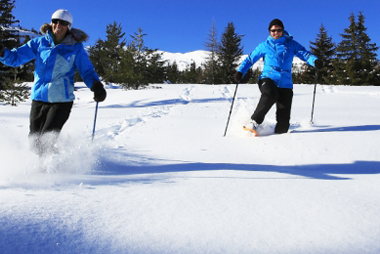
(304, 55)
(85, 67)
(21, 55)
(251, 59)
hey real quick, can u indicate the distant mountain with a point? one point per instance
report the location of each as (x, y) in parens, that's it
(184, 60)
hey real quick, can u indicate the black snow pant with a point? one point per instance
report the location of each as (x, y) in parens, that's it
(46, 122)
(271, 94)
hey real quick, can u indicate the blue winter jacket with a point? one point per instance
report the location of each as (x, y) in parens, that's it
(55, 65)
(278, 58)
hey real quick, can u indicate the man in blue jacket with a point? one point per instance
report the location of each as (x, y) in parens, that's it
(275, 82)
(57, 55)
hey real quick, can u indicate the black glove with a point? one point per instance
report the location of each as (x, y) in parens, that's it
(238, 76)
(318, 64)
(100, 93)
(2, 49)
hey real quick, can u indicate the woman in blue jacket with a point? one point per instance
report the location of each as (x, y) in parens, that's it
(275, 82)
(57, 55)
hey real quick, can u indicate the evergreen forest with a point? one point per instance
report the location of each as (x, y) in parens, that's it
(126, 60)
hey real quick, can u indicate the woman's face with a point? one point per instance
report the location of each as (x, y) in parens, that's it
(59, 28)
(276, 32)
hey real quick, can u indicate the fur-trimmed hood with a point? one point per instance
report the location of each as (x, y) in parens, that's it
(74, 35)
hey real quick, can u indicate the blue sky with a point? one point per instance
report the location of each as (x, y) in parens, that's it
(182, 26)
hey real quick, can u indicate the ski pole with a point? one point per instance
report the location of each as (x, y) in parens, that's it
(315, 89)
(232, 105)
(96, 113)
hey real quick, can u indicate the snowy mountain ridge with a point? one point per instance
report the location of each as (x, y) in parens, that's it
(184, 60)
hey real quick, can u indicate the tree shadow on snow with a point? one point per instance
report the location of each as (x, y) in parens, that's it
(179, 101)
(339, 129)
(109, 167)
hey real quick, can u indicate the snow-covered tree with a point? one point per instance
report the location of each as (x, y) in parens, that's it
(15, 91)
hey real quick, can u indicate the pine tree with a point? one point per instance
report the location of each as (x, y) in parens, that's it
(192, 74)
(97, 54)
(7, 36)
(229, 53)
(156, 69)
(139, 53)
(147, 63)
(131, 65)
(368, 55)
(324, 49)
(356, 56)
(107, 55)
(211, 66)
(14, 90)
(172, 74)
(125, 73)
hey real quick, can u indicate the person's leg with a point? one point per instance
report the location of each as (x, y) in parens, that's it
(269, 96)
(56, 117)
(284, 105)
(37, 119)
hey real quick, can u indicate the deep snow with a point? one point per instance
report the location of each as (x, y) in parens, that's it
(161, 178)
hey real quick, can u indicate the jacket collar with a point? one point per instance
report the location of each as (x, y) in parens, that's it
(285, 37)
(73, 36)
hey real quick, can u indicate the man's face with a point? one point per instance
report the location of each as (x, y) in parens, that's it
(276, 32)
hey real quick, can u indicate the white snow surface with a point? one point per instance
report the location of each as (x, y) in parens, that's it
(160, 177)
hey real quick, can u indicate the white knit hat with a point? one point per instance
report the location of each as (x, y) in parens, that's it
(63, 15)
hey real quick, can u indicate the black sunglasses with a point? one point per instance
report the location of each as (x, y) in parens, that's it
(276, 30)
(62, 22)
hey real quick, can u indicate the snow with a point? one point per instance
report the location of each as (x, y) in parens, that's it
(22, 32)
(160, 177)
(184, 60)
